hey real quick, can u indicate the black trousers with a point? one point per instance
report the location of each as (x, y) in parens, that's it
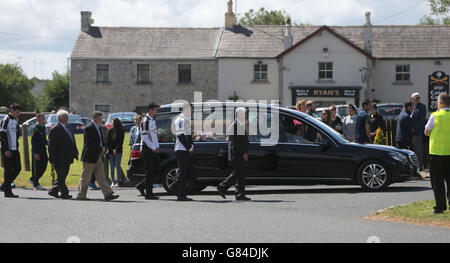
(12, 168)
(440, 174)
(62, 170)
(185, 161)
(38, 168)
(237, 177)
(151, 166)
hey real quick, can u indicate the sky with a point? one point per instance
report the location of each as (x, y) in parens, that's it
(39, 35)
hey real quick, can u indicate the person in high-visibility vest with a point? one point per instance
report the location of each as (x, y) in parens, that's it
(438, 128)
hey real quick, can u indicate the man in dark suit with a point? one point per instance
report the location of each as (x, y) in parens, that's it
(62, 149)
(238, 137)
(418, 120)
(92, 157)
(404, 134)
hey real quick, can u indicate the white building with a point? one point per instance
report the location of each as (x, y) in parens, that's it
(332, 65)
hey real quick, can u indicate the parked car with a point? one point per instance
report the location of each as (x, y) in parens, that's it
(86, 121)
(75, 123)
(291, 160)
(31, 123)
(127, 119)
(342, 111)
(390, 111)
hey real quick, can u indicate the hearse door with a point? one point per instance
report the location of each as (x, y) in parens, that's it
(311, 155)
(211, 152)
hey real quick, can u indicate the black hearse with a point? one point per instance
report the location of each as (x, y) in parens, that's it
(306, 152)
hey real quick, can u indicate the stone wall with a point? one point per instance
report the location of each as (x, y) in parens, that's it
(123, 93)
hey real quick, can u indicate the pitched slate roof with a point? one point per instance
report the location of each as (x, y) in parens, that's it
(388, 41)
(154, 43)
(252, 41)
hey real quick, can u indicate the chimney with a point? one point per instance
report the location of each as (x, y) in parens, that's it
(230, 17)
(86, 21)
(288, 39)
(368, 34)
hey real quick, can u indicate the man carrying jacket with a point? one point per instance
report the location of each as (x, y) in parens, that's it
(184, 151)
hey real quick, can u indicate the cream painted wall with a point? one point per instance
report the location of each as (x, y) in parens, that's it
(236, 74)
(301, 64)
(387, 90)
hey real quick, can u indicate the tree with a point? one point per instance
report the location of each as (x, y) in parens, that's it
(56, 92)
(266, 17)
(15, 87)
(439, 10)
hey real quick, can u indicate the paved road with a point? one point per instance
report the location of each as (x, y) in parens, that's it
(277, 214)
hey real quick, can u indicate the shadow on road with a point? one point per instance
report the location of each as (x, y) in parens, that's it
(355, 190)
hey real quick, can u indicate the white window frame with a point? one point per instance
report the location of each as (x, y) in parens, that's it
(403, 72)
(260, 72)
(325, 70)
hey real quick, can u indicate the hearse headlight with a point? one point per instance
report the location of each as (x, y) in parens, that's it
(399, 157)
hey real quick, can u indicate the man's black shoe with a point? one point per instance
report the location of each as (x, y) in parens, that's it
(152, 197)
(243, 198)
(222, 192)
(54, 194)
(141, 189)
(66, 197)
(184, 199)
(1, 187)
(11, 195)
(436, 212)
(111, 197)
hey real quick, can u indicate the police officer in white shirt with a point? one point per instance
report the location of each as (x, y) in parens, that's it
(9, 144)
(184, 151)
(150, 149)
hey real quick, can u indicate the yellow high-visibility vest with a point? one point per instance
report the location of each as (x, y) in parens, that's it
(440, 135)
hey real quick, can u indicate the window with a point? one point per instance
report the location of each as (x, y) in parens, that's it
(260, 72)
(184, 73)
(298, 131)
(325, 70)
(105, 108)
(143, 73)
(402, 73)
(163, 123)
(102, 72)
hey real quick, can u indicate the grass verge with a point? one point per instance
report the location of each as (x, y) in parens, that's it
(75, 169)
(417, 213)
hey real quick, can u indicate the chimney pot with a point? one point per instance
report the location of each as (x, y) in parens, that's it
(368, 38)
(230, 17)
(86, 21)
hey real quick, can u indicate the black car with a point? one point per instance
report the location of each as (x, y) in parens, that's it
(307, 152)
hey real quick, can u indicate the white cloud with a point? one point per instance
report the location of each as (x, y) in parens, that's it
(61, 19)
